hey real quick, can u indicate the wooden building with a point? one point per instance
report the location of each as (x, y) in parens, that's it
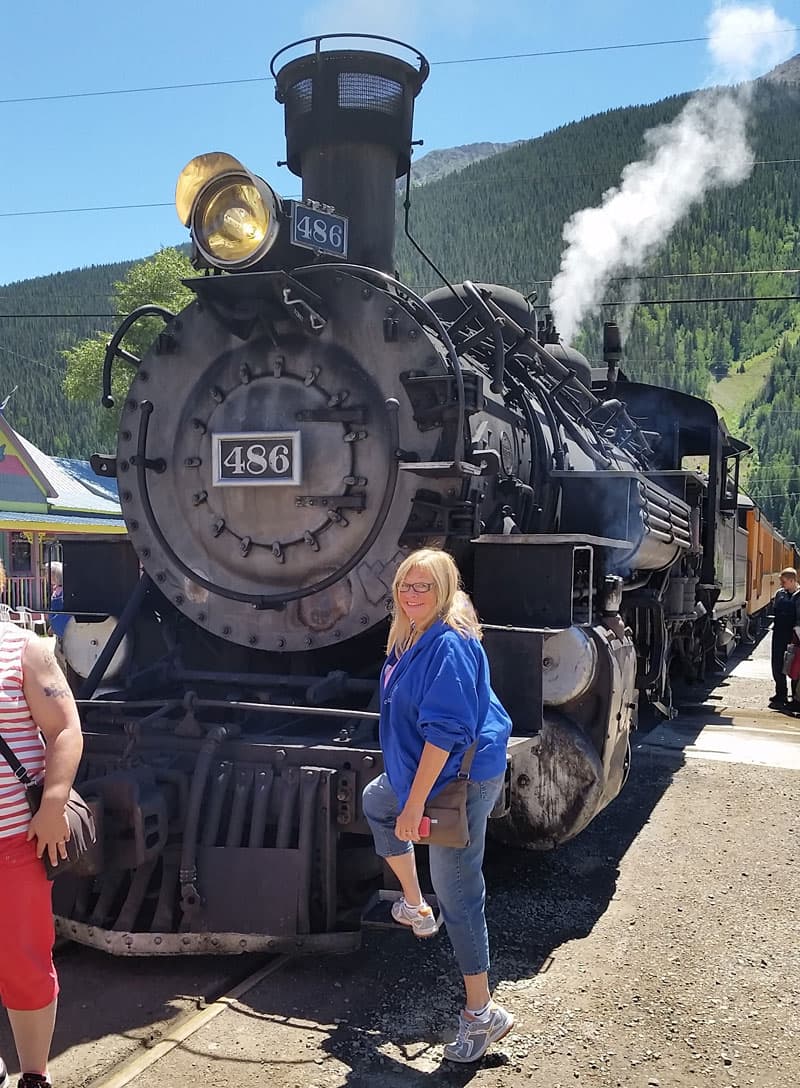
(42, 500)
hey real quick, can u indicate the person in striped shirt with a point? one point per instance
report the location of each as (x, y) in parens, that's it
(39, 721)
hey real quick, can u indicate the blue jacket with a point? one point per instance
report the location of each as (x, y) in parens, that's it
(439, 691)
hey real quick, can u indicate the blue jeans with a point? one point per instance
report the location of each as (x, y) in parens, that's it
(456, 875)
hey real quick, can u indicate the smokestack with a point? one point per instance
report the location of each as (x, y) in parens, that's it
(349, 117)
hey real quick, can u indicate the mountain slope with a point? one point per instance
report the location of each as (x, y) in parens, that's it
(438, 164)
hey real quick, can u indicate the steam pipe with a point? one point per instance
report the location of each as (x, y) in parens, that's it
(599, 459)
(261, 794)
(190, 897)
(219, 787)
(419, 249)
(241, 791)
(558, 451)
(557, 370)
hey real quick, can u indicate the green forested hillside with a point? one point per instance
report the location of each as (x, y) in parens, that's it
(30, 346)
(501, 220)
(772, 425)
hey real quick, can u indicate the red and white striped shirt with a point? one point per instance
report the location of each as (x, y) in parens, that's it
(19, 731)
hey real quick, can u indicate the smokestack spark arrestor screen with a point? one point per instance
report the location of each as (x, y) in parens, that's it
(348, 96)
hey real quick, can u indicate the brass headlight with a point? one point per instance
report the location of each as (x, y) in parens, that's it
(234, 216)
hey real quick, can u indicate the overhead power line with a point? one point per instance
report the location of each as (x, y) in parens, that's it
(95, 208)
(605, 305)
(556, 175)
(573, 51)
(65, 317)
(600, 48)
(36, 362)
(104, 295)
(721, 298)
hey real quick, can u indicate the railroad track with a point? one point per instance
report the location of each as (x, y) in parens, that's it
(178, 1030)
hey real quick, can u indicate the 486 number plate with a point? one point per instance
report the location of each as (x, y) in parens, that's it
(324, 232)
(265, 457)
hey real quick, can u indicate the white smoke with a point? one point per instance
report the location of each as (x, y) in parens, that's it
(746, 41)
(704, 148)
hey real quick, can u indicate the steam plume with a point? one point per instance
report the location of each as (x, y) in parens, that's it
(704, 148)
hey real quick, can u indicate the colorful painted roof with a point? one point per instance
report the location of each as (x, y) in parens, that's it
(103, 486)
(16, 519)
(36, 489)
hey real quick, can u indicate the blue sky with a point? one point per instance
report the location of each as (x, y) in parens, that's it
(129, 148)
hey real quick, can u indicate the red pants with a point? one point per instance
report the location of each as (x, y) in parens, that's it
(28, 979)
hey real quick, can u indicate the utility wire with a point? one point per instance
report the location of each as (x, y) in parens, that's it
(524, 283)
(724, 298)
(598, 48)
(576, 50)
(605, 305)
(65, 317)
(36, 362)
(506, 181)
(96, 208)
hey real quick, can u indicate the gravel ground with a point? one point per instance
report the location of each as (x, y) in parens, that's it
(672, 960)
(661, 949)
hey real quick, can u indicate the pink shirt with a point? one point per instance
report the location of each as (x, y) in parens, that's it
(19, 731)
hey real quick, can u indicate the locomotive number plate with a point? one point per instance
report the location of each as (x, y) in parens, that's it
(261, 457)
(320, 231)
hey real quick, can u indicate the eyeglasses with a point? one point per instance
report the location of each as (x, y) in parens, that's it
(415, 587)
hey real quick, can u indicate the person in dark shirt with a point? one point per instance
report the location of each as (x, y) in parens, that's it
(786, 624)
(57, 619)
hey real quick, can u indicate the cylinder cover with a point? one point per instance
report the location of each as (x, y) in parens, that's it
(569, 664)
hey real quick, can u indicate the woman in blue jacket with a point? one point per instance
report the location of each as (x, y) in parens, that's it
(437, 702)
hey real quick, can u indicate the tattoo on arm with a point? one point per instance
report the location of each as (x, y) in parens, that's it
(58, 691)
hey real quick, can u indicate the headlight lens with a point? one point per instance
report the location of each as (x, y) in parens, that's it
(234, 215)
(235, 221)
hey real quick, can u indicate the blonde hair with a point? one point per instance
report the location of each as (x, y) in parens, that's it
(56, 573)
(453, 606)
(789, 572)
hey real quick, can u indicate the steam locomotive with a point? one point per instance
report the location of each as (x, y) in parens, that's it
(287, 439)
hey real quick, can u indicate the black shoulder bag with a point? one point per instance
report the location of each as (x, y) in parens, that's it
(447, 810)
(82, 833)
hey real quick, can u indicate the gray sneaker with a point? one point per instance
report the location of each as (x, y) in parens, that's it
(420, 919)
(475, 1036)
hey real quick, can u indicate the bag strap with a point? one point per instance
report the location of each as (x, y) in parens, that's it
(466, 762)
(17, 769)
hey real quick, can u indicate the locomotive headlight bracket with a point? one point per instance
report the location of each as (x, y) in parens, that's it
(233, 214)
